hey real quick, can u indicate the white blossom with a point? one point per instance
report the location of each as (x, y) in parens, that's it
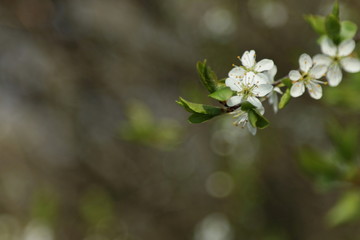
(307, 76)
(337, 57)
(249, 65)
(273, 95)
(243, 119)
(247, 89)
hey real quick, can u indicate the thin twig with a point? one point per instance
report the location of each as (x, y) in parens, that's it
(277, 82)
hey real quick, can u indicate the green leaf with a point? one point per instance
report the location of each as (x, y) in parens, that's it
(252, 116)
(200, 112)
(207, 76)
(182, 102)
(336, 10)
(199, 108)
(199, 118)
(246, 106)
(317, 23)
(346, 209)
(332, 25)
(348, 30)
(222, 94)
(285, 99)
(257, 120)
(262, 122)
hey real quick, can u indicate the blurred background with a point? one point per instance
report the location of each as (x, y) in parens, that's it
(94, 147)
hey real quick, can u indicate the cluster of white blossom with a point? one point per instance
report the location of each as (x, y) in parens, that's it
(254, 81)
(329, 63)
(250, 82)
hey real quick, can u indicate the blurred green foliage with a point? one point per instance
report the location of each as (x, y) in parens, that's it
(347, 209)
(69, 73)
(345, 96)
(143, 128)
(339, 167)
(45, 206)
(330, 168)
(97, 209)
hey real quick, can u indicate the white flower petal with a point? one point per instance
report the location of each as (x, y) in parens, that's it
(272, 72)
(261, 110)
(274, 101)
(242, 117)
(314, 90)
(249, 79)
(237, 72)
(278, 90)
(264, 65)
(248, 59)
(262, 90)
(261, 78)
(294, 75)
(271, 97)
(254, 101)
(334, 75)
(233, 101)
(346, 48)
(305, 62)
(351, 65)
(233, 84)
(297, 89)
(318, 71)
(252, 129)
(321, 59)
(328, 47)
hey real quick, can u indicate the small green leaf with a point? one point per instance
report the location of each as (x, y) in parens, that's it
(207, 76)
(182, 102)
(246, 106)
(332, 25)
(317, 23)
(200, 112)
(262, 122)
(257, 120)
(199, 118)
(336, 10)
(222, 94)
(348, 30)
(345, 210)
(252, 116)
(199, 108)
(285, 99)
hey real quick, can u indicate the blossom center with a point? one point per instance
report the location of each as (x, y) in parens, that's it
(247, 90)
(306, 78)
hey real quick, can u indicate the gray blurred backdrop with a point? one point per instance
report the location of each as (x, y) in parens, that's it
(93, 145)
